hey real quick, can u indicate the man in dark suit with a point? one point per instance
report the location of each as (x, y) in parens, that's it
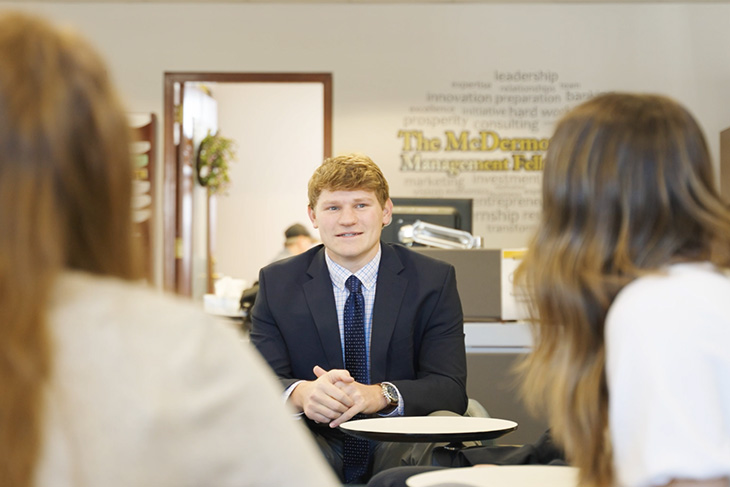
(413, 322)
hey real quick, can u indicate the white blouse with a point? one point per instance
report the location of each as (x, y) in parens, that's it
(668, 372)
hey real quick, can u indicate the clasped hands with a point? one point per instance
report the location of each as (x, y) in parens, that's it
(335, 397)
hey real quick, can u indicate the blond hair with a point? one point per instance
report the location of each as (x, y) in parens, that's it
(348, 173)
(64, 203)
(628, 188)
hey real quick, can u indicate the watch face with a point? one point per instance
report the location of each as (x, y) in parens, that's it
(390, 393)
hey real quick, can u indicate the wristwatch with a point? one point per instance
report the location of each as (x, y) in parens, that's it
(391, 395)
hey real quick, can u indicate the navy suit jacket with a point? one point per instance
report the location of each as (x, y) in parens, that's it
(417, 338)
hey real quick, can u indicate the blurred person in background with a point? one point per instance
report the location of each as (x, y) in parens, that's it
(297, 239)
(104, 382)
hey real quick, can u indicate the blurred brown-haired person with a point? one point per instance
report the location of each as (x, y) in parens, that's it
(104, 382)
(627, 276)
(297, 239)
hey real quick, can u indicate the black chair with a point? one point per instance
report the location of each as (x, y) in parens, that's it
(248, 298)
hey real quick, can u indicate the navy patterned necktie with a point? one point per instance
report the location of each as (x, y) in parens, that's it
(356, 451)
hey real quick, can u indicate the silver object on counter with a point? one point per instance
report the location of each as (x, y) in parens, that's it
(437, 236)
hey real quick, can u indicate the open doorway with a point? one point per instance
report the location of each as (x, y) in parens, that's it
(267, 106)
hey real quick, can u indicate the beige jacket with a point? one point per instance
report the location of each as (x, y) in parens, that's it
(148, 391)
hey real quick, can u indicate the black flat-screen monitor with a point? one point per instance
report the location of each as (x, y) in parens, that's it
(447, 212)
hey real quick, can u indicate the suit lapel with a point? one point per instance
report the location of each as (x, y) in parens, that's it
(389, 295)
(321, 301)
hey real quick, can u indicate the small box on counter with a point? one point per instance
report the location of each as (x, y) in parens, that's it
(484, 278)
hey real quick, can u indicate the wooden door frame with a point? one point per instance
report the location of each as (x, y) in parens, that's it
(172, 226)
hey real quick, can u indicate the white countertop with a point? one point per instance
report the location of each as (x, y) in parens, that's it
(498, 337)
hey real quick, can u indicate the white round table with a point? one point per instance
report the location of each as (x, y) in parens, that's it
(496, 476)
(453, 429)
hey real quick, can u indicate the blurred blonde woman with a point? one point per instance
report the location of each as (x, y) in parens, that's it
(104, 383)
(627, 276)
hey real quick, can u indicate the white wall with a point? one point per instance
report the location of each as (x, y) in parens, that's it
(278, 129)
(385, 59)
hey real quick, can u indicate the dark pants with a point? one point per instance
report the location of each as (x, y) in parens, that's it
(386, 455)
(542, 452)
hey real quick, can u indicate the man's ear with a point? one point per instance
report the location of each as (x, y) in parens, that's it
(312, 216)
(387, 212)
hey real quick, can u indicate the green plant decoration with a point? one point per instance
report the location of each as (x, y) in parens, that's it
(214, 154)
